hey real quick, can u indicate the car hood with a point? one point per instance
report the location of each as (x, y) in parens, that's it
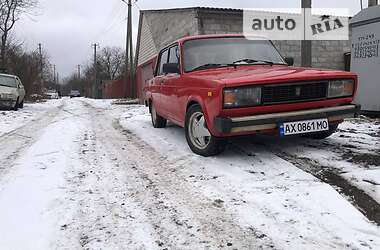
(267, 74)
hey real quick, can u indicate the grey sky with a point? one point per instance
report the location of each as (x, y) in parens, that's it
(67, 28)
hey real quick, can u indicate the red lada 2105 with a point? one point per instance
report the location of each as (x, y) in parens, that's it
(226, 85)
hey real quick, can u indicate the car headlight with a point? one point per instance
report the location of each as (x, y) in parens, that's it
(341, 88)
(241, 97)
(7, 96)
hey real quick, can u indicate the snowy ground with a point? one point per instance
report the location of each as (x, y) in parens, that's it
(12, 120)
(80, 173)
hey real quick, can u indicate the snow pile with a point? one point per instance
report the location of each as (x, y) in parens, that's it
(12, 120)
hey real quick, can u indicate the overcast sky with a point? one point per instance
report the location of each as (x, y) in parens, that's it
(67, 28)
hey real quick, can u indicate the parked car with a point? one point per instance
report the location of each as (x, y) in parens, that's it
(221, 86)
(52, 94)
(74, 93)
(12, 92)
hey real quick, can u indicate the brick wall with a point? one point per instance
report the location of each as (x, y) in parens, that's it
(168, 26)
(113, 89)
(330, 54)
(290, 49)
(216, 22)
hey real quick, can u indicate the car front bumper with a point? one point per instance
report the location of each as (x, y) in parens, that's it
(258, 123)
(7, 103)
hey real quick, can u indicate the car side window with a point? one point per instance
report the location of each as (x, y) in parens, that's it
(163, 60)
(174, 55)
(19, 84)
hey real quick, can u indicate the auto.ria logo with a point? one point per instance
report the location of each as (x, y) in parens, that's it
(295, 26)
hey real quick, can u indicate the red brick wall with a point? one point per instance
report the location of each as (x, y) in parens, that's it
(114, 89)
(143, 74)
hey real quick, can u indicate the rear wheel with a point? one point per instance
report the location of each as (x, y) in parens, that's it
(199, 138)
(325, 134)
(157, 120)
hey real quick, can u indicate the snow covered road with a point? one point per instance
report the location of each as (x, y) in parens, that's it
(88, 174)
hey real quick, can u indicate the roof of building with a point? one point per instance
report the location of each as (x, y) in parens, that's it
(371, 13)
(196, 8)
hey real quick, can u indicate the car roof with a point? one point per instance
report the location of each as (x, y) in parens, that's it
(196, 37)
(6, 75)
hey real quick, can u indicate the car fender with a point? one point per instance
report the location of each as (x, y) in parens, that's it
(200, 101)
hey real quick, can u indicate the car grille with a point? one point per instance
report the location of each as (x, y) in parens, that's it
(294, 92)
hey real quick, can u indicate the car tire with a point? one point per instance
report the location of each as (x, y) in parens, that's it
(157, 120)
(323, 135)
(198, 137)
(15, 108)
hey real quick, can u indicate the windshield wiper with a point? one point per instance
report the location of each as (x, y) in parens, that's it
(253, 61)
(209, 66)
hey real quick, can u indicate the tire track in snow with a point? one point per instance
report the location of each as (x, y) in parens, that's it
(13, 143)
(365, 203)
(181, 217)
(361, 200)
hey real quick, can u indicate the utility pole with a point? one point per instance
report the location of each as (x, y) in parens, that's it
(129, 72)
(306, 45)
(79, 71)
(41, 64)
(94, 87)
(54, 79)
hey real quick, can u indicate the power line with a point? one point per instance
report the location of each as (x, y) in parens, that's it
(115, 20)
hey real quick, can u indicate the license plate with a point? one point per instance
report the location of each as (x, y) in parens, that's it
(304, 127)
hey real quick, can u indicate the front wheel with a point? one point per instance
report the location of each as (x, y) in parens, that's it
(199, 138)
(21, 105)
(15, 108)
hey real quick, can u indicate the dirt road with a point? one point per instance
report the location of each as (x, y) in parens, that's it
(90, 175)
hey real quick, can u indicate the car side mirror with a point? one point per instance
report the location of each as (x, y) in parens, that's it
(170, 68)
(289, 61)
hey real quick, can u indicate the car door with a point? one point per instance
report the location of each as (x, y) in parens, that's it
(156, 88)
(170, 84)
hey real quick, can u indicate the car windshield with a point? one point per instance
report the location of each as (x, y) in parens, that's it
(8, 81)
(215, 52)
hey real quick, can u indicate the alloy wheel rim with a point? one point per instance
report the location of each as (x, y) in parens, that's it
(199, 134)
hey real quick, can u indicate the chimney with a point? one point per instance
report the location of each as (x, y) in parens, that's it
(372, 3)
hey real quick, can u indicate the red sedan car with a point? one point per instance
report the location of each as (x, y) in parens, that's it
(226, 85)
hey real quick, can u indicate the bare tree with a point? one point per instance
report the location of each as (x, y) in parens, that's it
(26, 66)
(10, 13)
(111, 62)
